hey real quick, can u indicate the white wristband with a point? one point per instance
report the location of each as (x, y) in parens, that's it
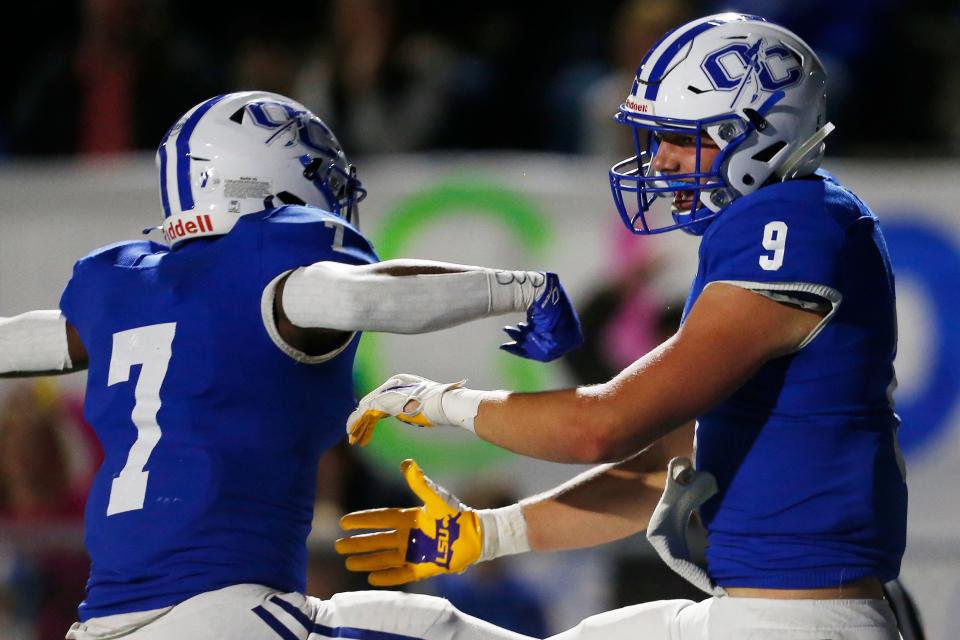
(459, 406)
(504, 532)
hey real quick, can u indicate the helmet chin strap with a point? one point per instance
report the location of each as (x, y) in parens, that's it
(802, 153)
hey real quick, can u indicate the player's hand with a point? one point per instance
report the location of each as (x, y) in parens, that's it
(406, 397)
(552, 327)
(442, 536)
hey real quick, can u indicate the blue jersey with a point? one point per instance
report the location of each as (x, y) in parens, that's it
(211, 432)
(811, 482)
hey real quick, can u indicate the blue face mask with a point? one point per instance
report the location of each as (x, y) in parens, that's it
(636, 179)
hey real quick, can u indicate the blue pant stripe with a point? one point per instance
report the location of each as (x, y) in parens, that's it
(354, 633)
(300, 616)
(358, 634)
(274, 624)
(183, 153)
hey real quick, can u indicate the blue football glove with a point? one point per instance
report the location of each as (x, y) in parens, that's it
(552, 327)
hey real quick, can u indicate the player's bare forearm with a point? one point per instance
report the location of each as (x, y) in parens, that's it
(594, 424)
(583, 519)
(727, 337)
(729, 334)
(606, 503)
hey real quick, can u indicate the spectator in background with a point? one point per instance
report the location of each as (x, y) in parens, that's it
(589, 127)
(620, 318)
(384, 85)
(47, 460)
(40, 478)
(18, 596)
(269, 63)
(933, 35)
(114, 87)
(637, 25)
(409, 77)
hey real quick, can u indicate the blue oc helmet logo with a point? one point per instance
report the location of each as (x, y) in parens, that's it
(776, 68)
(310, 130)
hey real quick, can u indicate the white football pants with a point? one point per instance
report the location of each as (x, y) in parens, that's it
(254, 612)
(726, 618)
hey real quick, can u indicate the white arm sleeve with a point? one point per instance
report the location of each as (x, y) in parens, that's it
(34, 341)
(332, 295)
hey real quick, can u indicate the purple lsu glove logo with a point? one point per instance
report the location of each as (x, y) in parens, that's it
(422, 548)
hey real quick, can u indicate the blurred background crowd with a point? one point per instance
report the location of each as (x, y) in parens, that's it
(418, 75)
(92, 78)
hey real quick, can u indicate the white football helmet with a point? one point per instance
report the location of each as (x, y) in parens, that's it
(241, 153)
(753, 87)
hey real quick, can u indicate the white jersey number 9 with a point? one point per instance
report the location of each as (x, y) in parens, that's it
(774, 239)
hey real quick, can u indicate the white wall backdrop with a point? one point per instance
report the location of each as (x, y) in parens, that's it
(555, 213)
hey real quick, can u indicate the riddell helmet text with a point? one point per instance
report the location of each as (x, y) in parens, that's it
(184, 228)
(637, 106)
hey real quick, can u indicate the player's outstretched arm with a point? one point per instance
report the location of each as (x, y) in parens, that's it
(729, 334)
(418, 296)
(606, 503)
(39, 343)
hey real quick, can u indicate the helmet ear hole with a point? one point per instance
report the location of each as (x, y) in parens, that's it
(758, 121)
(288, 198)
(747, 179)
(766, 154)
(311, 168)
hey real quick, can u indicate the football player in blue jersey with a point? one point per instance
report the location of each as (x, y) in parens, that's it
(784, 359)
(220, 368)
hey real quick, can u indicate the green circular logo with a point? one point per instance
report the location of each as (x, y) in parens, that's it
(511, 211)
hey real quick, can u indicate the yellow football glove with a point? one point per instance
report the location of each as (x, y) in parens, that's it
(442, 536)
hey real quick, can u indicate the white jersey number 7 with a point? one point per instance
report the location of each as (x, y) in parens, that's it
(149, 346)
